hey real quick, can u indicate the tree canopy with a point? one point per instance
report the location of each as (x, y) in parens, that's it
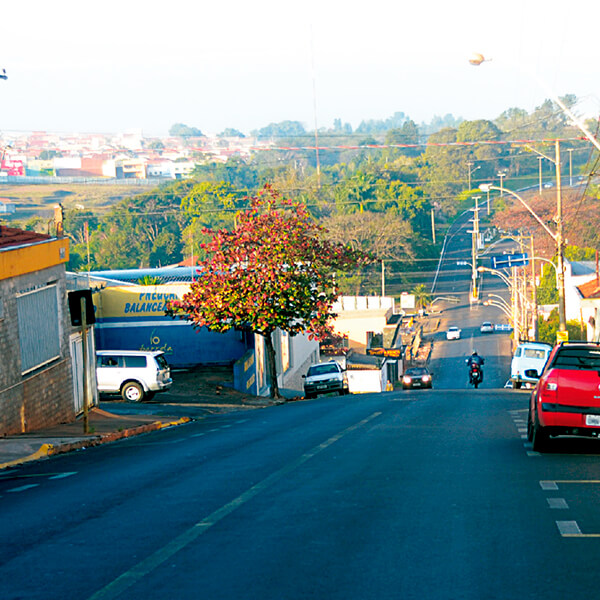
(273, 270)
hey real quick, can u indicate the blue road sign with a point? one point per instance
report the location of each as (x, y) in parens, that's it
(505, 261)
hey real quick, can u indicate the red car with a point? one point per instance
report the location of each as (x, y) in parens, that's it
(566, 399)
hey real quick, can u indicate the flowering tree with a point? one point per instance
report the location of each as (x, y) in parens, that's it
(274, 270)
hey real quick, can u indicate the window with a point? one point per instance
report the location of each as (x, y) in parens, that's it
(135, 362)
(109, 361)
(39, 332)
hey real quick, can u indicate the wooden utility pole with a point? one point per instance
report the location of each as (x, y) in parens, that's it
(562, 324)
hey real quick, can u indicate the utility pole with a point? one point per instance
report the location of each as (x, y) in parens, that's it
(534, 293)
(475, 240)
(570, 151)
(433, 225)
(540, 172)
(562, 325)
(382, 278)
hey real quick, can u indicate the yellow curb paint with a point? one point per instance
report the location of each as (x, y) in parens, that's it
(44, 450)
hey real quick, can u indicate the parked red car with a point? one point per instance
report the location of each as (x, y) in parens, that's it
(566, 399)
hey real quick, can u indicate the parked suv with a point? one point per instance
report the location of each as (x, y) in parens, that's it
(529, 355)
(566, 399)
(325, 377)
(136, 375)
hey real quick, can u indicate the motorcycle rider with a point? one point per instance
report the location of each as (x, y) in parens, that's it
(475, 359)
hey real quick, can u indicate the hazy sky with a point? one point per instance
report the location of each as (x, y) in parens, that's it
(109, 66)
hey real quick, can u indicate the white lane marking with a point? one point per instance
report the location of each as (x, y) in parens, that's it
(118, 586)
(24, 487)
(522, 430)
(242, 421)
(198, 434)
(63, 475)
(531, 453)
(557, 503)
(548, 485)
(524, 436)
(568, 528)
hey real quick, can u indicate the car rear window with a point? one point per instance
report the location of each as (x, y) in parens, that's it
(162, 361)
(578, 358)
(135, 362)
(533, 353)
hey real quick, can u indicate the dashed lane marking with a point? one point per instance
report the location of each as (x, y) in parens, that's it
(557, 503)
(23, 488)
(118, 586)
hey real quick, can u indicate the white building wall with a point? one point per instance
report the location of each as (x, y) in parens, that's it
(367, 381)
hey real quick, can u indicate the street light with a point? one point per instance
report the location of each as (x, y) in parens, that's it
(471, 171)
(477, 59)
(558, 239)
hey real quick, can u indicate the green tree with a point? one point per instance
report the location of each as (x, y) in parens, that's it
(182, 130)
(273, 270)
(422, 295)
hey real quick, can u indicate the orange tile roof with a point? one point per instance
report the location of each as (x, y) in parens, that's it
(590, 289)
(12, 237)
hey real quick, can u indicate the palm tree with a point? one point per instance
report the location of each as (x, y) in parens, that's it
(422, 296)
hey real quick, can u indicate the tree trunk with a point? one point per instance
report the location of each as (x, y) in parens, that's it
(272, 366)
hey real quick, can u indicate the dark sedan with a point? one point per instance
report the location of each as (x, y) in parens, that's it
(416, 377)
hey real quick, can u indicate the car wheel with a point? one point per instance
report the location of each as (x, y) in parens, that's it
(132, 392)
(539, 438)
(529, 427)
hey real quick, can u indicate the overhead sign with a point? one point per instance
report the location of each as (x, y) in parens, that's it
(505, 261)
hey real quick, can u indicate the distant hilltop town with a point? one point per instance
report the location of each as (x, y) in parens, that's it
(129, 155)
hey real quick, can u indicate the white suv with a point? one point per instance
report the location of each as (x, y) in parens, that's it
(136, 375)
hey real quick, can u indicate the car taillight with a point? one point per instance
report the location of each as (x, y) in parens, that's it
(552, 386)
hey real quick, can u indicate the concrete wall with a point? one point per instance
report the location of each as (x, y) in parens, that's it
(44, 396)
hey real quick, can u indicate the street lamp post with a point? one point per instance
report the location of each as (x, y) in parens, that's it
(471, 171)
(556, 236)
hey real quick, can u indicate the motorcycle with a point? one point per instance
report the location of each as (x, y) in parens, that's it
(475, 375)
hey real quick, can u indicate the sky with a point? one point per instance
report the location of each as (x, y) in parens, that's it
(111, 66)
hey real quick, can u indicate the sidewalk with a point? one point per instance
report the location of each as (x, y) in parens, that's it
(103, 427)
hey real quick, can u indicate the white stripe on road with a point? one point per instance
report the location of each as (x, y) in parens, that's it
(63, 475)
(558, 503)
(118, 586)
(548, 485)
(24, 487)
(568, 528)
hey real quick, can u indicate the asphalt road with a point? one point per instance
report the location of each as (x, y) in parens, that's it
(424, 494)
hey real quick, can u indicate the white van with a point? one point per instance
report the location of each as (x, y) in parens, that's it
(134, 374)
(528, 355)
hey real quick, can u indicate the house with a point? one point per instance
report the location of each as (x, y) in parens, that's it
(358, 317)
(577, 273)
(36, 381)
(130, 316)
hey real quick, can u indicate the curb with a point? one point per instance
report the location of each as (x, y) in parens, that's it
(47, 450)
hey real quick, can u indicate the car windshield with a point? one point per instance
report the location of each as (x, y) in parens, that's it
(416, 371)
(453, 329)
(322, 369)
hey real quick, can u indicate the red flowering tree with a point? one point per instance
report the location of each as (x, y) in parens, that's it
(274, 270)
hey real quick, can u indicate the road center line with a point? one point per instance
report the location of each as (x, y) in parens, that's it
(116, 587)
